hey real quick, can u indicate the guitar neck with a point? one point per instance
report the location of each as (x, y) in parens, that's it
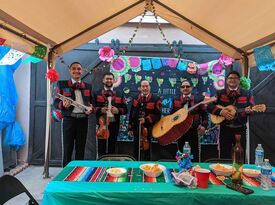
(205, 101)
(193, 107)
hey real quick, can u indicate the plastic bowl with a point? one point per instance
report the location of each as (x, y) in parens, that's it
(251, 172)
(221, 169)
(152, 170)
(116, 172)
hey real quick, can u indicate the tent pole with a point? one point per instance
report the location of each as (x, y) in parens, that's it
(51, 60)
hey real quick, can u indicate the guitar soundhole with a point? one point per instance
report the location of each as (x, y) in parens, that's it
(176, 118)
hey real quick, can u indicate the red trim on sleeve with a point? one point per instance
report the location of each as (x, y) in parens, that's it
(118, 100)
(99, 98)
(150, 105)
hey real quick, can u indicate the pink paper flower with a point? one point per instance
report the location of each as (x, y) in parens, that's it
(226, 60)
(106, 53)
(52, 75)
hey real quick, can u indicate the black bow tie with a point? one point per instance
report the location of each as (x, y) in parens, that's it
(232, 93)
(186, 98)
(144, 99)
(77, 85)
(108, 93)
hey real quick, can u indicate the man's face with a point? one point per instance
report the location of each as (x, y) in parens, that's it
(185, 88)
(76, 71)
(145, 88)
(233, 81)
(108, 81)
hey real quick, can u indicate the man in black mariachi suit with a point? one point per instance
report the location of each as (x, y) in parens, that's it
(118, 107)
(146, 109)
(200, 118)
(75, 120)
(232, 95)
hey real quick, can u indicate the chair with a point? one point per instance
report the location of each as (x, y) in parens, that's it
(11, 187)
(116, 157)
(218, 160)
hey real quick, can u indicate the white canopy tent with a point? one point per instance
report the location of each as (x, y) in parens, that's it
(233, 27)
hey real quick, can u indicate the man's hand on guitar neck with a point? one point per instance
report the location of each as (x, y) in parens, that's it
(227, 115)
(201, 130)
(248, 110)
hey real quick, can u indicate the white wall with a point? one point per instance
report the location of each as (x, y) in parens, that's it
(22, 80)
(148, 33)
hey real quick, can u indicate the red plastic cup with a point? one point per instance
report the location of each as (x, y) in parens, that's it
(203, 177)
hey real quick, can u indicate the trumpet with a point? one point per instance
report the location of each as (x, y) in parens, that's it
(75, 103)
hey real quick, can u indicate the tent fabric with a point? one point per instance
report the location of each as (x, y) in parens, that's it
(233, 27)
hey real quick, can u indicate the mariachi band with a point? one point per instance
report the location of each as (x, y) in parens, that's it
(188, 118)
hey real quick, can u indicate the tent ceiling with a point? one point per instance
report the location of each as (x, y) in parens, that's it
(233, 27)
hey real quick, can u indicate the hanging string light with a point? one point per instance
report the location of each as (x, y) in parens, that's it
(162, 33)
(123, 51)
(135, 31)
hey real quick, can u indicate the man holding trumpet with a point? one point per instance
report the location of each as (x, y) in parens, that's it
(74, 99)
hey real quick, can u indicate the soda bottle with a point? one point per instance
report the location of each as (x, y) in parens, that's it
(266, 173)
(238, 160)
(259, 155)
(187, 148)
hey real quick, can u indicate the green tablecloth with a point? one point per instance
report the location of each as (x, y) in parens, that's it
(83, 193)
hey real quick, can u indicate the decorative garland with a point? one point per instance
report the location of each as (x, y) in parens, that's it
(135, 31)
(162, 33)
(245, 83)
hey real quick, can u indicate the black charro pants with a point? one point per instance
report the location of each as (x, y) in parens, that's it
(74, 136)
(113, 129)
(227, 140)
(144, 155)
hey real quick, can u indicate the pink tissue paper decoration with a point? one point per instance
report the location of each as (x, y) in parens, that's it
(106, 53)
(225, 60)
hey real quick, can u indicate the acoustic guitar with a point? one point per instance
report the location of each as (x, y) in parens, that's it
(217, 119)
(172, 127)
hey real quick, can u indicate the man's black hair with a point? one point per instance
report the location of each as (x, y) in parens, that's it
(108, 73)
(234, 73)
(186, 80)
(75, 63)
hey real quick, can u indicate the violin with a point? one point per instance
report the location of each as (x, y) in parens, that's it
(104, 121)
(103, 131)
(143, 132)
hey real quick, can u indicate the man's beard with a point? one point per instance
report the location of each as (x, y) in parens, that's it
(107, 86)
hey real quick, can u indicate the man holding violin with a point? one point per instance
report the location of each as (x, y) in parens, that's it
(145, 112)
(199, 114)
(109, 105)
(75, 119)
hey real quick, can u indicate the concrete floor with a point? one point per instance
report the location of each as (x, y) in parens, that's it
(33, 180)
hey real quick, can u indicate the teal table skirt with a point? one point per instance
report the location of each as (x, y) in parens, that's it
(62, 192)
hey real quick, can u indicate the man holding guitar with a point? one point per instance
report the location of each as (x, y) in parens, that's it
(234, 123)
(75, 118)
(145, 112)
(198, 114)
(109, 105)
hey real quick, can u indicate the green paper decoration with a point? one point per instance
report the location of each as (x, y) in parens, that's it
(245, 83)
(39, 51)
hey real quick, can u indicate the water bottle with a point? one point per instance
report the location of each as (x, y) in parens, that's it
(266, 173)
(187, 148)
(259, 155)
